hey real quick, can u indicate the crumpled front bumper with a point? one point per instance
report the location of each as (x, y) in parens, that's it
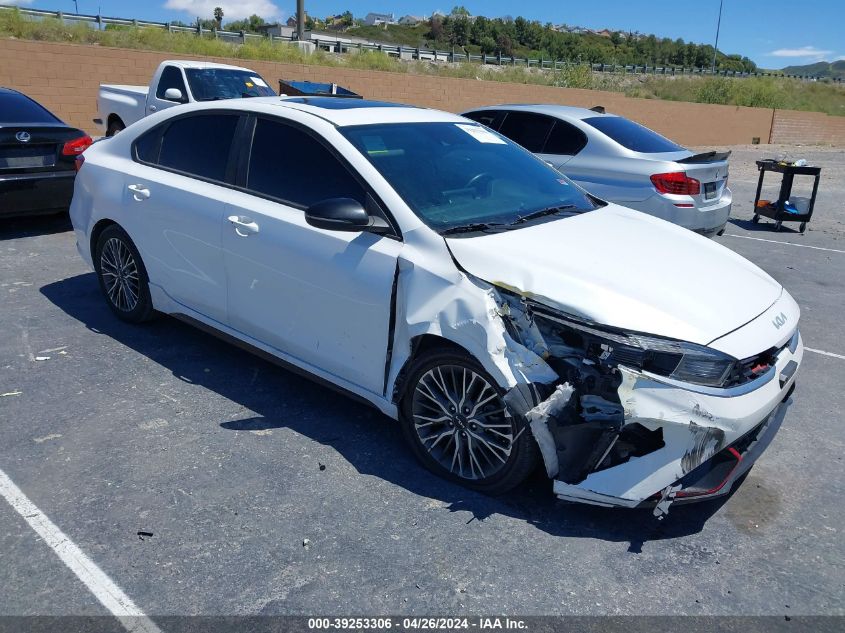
(709, 481)
(702, 431)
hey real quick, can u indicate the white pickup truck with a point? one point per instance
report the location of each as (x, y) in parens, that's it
(175, 82)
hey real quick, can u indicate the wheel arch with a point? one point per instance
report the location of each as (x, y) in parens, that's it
(96, 231)
(422, 344)
(114, 118)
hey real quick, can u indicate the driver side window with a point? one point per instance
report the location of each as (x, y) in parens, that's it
(291, 166)
(171, 77)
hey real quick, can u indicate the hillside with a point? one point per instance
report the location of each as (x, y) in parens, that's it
(524, 38)
(765, 92)
(833, 70)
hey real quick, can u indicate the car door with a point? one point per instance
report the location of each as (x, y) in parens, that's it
(322, 297)
(171, 77)
(176, 195)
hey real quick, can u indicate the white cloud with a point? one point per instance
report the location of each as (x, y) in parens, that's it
(808, 52)
(231, 10)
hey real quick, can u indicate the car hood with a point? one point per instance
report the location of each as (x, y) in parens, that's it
(623, 268)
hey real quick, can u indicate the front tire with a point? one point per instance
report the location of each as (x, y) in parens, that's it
(122, 276)
(454, 417)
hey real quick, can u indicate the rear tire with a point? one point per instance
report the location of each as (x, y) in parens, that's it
(778, 225)
(803, 227)
(755, 219)
(122, 276)
(454, 417)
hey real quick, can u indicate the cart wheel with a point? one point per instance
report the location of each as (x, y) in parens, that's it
(778, 224)
(755, 219)
(803, 226)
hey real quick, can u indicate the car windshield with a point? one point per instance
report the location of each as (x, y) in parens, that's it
(209, 84)
(463, 176)
(17, 108)
(632, 135)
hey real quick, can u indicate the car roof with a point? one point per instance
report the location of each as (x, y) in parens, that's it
(570, 112)
(191, 63)
(338, 112)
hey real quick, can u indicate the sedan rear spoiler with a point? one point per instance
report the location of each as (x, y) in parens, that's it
(706, 157)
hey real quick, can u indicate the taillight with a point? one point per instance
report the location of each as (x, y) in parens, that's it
(77, 146)
(78, 161)
(676, 183)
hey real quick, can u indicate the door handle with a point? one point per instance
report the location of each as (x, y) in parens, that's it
(243, 225)
(139, 192)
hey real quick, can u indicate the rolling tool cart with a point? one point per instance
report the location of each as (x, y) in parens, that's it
(786, 208)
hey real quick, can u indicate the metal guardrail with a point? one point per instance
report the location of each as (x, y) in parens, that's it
(337, 45)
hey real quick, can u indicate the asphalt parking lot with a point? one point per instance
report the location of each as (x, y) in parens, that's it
(203, 480)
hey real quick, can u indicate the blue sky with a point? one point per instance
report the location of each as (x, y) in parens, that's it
(774, 33)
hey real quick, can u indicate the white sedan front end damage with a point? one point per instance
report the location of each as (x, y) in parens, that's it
(641, 416)
(614, 435)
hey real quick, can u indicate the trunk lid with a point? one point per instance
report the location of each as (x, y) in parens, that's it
(35, 148)
(709, 168)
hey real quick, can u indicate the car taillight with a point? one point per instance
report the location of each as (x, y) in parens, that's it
(77, 146)
(677, 183)
(77, 162)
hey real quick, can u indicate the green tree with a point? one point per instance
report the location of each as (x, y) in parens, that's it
(504, 45)
(459, 31)
(460, 10)
(249, 25)
(480, 30)
(218, 16)
(487, 44)
(437, 31)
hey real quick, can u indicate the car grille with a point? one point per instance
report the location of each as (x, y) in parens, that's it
(752, 368)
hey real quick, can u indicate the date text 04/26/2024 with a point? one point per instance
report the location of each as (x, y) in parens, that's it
(417, 624)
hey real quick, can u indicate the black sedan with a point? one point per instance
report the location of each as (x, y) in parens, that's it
(37, 157)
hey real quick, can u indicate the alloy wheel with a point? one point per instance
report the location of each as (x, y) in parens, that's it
(119, 272)
(460, 420)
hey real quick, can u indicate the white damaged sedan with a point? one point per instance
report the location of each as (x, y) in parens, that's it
(423, 263)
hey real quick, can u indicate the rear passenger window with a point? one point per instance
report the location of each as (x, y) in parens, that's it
(199, 145)
(146, 147)
(291, 165)
(565, 139)
(527, 129)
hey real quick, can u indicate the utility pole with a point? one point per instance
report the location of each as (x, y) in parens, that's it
(300, 20)
(716, 45)
(76, 5)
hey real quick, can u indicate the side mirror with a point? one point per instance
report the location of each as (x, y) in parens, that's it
(343, 214)
(173, 94)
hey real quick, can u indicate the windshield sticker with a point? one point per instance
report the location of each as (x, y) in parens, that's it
(562, 181)
(480, 134)
(248, 84)
(258, 81)
(375, 145)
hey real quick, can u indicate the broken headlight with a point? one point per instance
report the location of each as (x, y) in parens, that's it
(687, 362)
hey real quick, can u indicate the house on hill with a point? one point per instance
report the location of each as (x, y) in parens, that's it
(375, 19)
(411, 20)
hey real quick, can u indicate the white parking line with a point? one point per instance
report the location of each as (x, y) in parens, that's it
(108, 593)
(760, 239)
(823, 353)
